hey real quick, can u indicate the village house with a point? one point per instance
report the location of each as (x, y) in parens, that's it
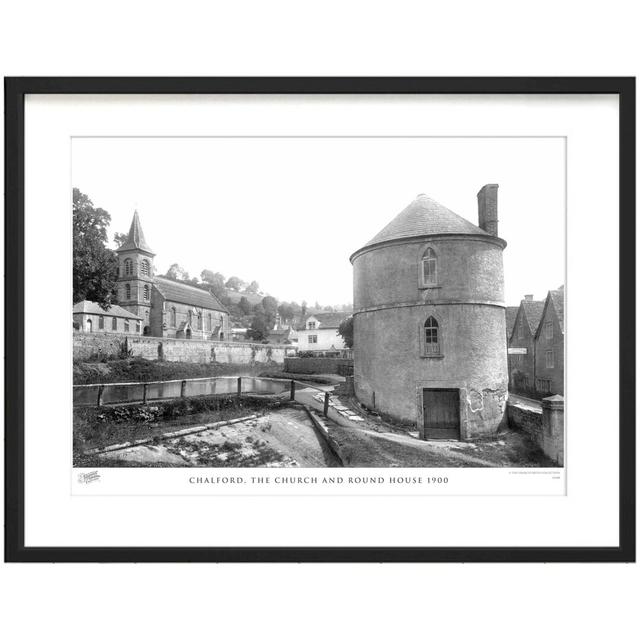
(429, 320)
(549, 346)
(160, 306)
(522, 345)
(90, 317)
(319, 332)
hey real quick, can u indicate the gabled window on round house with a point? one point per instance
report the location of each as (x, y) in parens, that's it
(429, 268)
(431, 337)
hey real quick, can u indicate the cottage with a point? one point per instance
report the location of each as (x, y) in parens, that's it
(429, 320)
(319, 332)
(522, 345)
(549, 346)
(90, 317)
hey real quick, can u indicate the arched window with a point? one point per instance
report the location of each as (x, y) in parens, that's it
(89, 325)
(138, 325)
(146, 292)
(127, 291)
(173, 317)
(128, 267)
(101, 322)
(429, 267)
(144, 268)
(431, 336)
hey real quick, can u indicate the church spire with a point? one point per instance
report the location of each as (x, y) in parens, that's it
(135, 240)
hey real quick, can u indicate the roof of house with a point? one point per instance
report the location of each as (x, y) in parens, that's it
(86, 306)
(176, 291)
(533, 310)
(512, 314)
(327, 319)
(135, 239)
(557, 297)
(423, 217)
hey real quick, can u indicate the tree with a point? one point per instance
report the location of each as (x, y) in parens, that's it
(254, 287)
(270, 307)
(245, 306)
(176, 272)
(303, 308)
(235, 283)
(346, 331)
(120, 238)
(95, 266)
(260, 328)
(286, 311)
(216, 280)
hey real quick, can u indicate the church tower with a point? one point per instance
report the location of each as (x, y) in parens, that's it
(135, 274)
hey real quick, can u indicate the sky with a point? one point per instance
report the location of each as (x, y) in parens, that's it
(288, 212)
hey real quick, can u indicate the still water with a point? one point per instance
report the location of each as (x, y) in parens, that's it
(115, 394)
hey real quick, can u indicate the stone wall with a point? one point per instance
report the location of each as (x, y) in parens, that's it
(90, 346)
(544, 424)
(317, 365)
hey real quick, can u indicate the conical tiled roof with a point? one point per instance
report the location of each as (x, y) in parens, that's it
(424, 217)
(135, 239)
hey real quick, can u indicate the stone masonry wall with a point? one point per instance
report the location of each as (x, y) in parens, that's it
(88, 346)
(544, 425)
(316, 365)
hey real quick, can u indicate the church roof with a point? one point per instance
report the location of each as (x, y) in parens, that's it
(86, 306)
(424, 217)
(176, 291)
(135, 239)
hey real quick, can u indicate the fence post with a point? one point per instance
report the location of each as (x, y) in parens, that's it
(239, 386)
(100, 390)
(326, 404)
(144, 394)
(183, 388)
(293, 390)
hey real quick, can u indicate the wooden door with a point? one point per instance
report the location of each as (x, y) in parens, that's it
(441, 414)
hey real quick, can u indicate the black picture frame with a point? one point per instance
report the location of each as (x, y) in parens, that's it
(15, 91)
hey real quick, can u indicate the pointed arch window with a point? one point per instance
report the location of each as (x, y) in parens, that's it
(429, 267)
(128, 267)
(127, 291)
(144, 268)
(146, 292)
(173, 316)
(431, 337)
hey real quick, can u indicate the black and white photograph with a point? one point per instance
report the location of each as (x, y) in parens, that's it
(319, 301)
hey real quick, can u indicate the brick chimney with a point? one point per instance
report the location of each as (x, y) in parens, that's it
(529, 297)
(488, 209)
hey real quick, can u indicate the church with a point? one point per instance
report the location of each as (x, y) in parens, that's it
(155, 305)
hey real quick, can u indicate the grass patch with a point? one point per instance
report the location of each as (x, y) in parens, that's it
(141, 370)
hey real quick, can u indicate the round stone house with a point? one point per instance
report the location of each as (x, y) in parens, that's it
(429, 320)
